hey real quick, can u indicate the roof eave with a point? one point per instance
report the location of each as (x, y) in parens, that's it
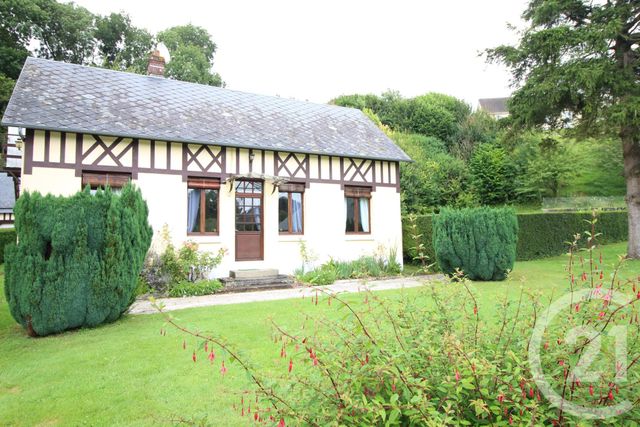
(8, 123)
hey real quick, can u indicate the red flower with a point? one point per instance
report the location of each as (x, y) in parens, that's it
(561, 362)
(577, 307)
(366, 359)
(601, 275)
(501, 398)
(601, 315)
(584, 277)
(393, 387)
(531, 393)
(211, 356)
(610, 395)
(223, 369)
(546, 345)
(290, 365)
(591, 389)
(475, 309)
(194, 356)
(638, 296)
(281, 423)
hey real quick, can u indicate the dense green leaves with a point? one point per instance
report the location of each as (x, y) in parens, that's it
(77, 259)
(479, 242)
(492, 175)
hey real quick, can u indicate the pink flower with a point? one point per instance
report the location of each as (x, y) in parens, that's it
(223, 369)
(457, 375)
(601, 315)
(501, 398)
(211, 356)
(281, 423)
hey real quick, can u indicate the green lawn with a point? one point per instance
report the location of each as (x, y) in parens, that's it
(126, 373)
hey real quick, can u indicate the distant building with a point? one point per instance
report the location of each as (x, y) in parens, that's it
(497, 107)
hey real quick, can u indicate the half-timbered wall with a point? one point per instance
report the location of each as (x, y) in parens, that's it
(87, 152)
(54, 162)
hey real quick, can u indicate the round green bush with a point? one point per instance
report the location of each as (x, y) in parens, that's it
(77, 259)
(480, 242)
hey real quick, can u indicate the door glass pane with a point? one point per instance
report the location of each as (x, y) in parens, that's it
(351, 226)
(211, 211)
(193, 210)
(283, 212)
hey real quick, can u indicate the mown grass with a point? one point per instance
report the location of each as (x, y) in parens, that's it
(125, 373)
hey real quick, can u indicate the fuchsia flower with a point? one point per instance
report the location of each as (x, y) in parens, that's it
(601, 315)
(546, 345)
(194, 356)
(211, 356)
(577, 307)
(223, 369)
(501, 398)
(281, 423)
(591, 389)
(457, 375)
(290, 364)
(610, 396)
(475, 309)
(584, 277)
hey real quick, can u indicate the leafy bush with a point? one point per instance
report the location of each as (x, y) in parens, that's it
(540, 235)
(492, 175)
(77, 259)
(480, 242)
(7, 235)
(173, 267)
(201, 287)
(379, 265)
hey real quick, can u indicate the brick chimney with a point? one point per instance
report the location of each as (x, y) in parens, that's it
(156, 64)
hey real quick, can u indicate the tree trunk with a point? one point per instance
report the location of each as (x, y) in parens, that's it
(631, 155)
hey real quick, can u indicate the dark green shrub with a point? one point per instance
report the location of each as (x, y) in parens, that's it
(77, 259)
(7, 235)
(481, 242)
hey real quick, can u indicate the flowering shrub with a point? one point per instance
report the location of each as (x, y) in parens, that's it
(433, 357)
(174, 268)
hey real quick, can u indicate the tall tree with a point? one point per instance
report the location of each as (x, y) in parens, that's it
(122, 46)
(192, 51)
(576, 65)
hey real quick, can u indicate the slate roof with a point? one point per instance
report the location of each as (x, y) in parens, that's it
(494, 105)
(67, 97)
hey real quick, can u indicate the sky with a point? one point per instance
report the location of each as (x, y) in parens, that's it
(317, 50)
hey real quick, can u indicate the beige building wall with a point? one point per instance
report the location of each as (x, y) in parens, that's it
(166, 195)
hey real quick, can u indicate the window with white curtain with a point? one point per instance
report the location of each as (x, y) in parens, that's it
(202, 206)
(356, 200)
(290, 209)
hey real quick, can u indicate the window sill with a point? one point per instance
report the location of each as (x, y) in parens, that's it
(354, 237)
(290, 237)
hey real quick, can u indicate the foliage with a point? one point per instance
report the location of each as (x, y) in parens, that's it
(80, 255)
(174, 268)
(577, 66)
(492, 175)
(476, 128)
(7, 236)
(192, 52)
(121, 45)
(540, 235)
(379, 366)
(201, 287)
(479, 242)
(434, 178)
(379, 265)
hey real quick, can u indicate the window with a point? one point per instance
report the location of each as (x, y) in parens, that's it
(249, 206)
(96, 180)
(202, 206)
(358, 214)
(290, 213)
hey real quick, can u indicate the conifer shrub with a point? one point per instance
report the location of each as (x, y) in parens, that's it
(480, 242)
(77, 259)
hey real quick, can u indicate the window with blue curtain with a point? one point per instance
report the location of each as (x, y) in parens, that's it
(202, 206)
(356, 200)
(290, 209)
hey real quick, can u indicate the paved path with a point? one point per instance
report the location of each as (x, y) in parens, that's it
(341, 286)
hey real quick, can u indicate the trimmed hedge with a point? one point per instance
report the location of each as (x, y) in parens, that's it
(7, 235)
(540, 235)
(480, 242)
(77, 259)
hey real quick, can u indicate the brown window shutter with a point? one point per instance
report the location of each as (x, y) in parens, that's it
(204, 183)
(291, 188)
(113, 180)
(357, 191)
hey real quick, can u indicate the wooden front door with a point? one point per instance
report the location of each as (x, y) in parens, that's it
(249, 220)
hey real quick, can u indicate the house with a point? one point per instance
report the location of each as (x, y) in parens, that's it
(497, 107)
(256, 175)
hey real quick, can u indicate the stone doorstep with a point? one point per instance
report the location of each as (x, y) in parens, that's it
(254, 273)
(280, 281)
